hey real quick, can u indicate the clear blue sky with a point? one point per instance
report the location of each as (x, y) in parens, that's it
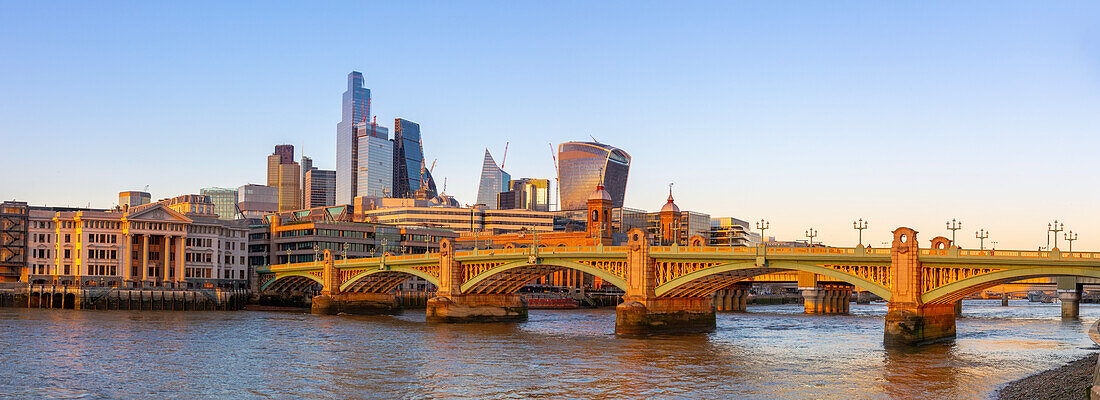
(806, 114)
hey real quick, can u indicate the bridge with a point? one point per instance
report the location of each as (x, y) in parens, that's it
(670, 288)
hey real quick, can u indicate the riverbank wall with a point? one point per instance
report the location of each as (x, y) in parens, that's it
(109, 298)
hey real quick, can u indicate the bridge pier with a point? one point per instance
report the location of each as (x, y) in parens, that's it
(827, 299)
(909, 321)
(656, 315)
(733, 298)
(1069, 294)
(356, 303)
(908, 324)
(477, 308)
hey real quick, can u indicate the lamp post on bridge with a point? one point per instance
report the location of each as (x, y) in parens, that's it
(1055, 228)
(811, 234)
(1070, 237)
(954, 226)
(346, 251)
(981, 235)
(994, 243)
(763, 226)
(860, 226)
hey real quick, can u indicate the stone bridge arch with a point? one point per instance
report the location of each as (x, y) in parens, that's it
(705, 281)
(510, 277)
(375, 280)
(958, 290)
(291, 281)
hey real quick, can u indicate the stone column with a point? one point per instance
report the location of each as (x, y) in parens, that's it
(812, 298)
(127, 263)
(908, 320)
(452, 306)
(144, 259)
(642, 312)
(1069, 293)
(181, 252)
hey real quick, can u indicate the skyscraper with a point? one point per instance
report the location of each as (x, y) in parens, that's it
(374, 163)
(583, 165)
(306, 165)
(320, 188)
(285, 177)
(493, 181)
(354, 110)
(225, 201)
(408, 160)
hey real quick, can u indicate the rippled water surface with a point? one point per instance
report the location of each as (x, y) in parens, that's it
(769, 352)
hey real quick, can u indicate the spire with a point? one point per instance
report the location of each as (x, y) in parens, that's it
(670, 192)
(670, 206)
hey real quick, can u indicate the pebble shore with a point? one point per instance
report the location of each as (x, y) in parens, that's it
(1070, 381)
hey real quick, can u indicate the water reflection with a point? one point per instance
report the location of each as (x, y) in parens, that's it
(769, 352)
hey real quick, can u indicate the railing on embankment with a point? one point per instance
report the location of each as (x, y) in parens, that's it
(110, 298)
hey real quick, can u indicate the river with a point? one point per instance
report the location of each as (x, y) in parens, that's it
(769, 352)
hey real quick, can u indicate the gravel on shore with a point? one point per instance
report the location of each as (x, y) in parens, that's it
(1070, 381)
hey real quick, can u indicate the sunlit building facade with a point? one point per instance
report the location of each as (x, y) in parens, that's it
(584, 165)
(320, 187)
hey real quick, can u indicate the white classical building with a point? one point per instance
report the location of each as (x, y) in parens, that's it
(151, 245)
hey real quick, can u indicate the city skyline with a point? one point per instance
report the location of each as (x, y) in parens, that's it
(796, 119)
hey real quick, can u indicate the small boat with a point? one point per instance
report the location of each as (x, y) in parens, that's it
(551, 301)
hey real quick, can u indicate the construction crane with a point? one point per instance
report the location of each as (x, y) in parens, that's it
(505, 158)
(433, 166)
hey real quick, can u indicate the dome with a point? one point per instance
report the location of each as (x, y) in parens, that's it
(670, 206)
(599, 194)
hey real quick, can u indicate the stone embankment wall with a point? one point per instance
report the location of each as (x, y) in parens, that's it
(83, 298)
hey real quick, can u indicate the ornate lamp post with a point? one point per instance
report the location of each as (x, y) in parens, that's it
(763, 226)
(981, 235)
(860, 226)
(811, 234)
(954, 226)
(1070, 237)
(346, 251)
(1054, 228)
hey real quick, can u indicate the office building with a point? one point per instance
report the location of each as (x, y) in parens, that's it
(133, 198)
(526, 194)
(732, 232)
(408, 161)
(583, 165)
(256, 201)
(375, 162)
(493, 181)
(320, 188)
(354, 110)
(434, 214)
(225, 202)
(284, 174)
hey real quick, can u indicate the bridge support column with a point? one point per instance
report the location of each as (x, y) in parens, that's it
(357, 304)
(1069, 293)
(452, 306)
(733, 298)
(827, 299)
(642, 312)
(908, 320)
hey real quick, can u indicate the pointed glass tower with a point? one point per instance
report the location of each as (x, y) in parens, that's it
(493, 181)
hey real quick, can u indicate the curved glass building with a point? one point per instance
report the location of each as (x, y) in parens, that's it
(580, 166)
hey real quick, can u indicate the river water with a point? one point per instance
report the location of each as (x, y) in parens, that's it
(771, 352)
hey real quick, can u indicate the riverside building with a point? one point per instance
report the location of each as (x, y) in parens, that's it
(178, 243)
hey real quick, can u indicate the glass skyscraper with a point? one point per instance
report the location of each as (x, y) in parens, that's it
(582, 166)
(355, 110)
(225, 202)
(374, 176)
(408, 158)
(493, 181)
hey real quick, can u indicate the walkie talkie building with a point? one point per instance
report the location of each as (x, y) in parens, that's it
(581, 165)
